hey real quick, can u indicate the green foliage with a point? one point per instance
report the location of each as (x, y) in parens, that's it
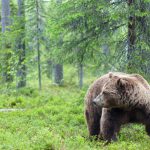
(85, 27)
(89, 32)
(140, 56)
(54, 119)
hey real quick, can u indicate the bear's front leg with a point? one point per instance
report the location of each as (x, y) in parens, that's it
(147, 127)
(109, 126)
(93, 121)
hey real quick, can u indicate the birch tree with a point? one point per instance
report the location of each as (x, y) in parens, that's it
(36, 12)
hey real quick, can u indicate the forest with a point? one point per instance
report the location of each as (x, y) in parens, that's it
(51, 51)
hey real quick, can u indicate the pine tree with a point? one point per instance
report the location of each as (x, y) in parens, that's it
(58, 68)
(131, 34)
(35, 11)
(6, 45)
(21, 71)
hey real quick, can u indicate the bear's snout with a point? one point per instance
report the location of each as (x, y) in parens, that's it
(98, 101)
(94, 103)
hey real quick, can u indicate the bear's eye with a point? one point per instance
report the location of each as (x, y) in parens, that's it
(109, 93)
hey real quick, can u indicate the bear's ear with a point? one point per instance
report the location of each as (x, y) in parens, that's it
(121, 83)
(110, 75)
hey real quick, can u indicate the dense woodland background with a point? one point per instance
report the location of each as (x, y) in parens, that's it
(40, 37)
(59, 47)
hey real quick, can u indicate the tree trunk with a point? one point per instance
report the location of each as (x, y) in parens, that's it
(49, 63)
(6, 66)
(80, 75)
(143, 37)
(5, 14)
(38, 44)
(106, 51)
(39, 64)
(21, 72)
(58, 74)
(131, 36)
(58, 68)
(49, 69)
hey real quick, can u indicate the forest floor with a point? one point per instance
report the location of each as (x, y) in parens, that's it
(53, 119)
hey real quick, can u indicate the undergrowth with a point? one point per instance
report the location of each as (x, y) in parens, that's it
(53, 119)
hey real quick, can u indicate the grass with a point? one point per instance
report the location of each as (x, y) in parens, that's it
(53, 119)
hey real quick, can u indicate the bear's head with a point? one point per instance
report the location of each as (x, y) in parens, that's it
(117, 92)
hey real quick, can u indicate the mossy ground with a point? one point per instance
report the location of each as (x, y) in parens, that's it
(53, 119)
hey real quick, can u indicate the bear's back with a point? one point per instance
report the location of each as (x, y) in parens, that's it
(141, 80)
(97, 85)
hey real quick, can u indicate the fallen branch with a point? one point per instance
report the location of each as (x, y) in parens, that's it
(10, 109)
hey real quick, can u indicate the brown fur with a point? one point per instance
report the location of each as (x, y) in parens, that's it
(126, 99)
(92, 113)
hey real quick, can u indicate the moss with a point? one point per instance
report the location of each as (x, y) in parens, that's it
(53, 119)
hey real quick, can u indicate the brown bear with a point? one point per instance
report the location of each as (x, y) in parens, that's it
(92, 113)
(115, 99)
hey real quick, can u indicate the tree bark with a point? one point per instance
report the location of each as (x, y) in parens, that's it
(49, 69)
(5, 14)
(58, 74)
(21, 72)
(143, 37)
(38, 45)
(58, 68)
(6, 66)
(81, 75)
(131, 36)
